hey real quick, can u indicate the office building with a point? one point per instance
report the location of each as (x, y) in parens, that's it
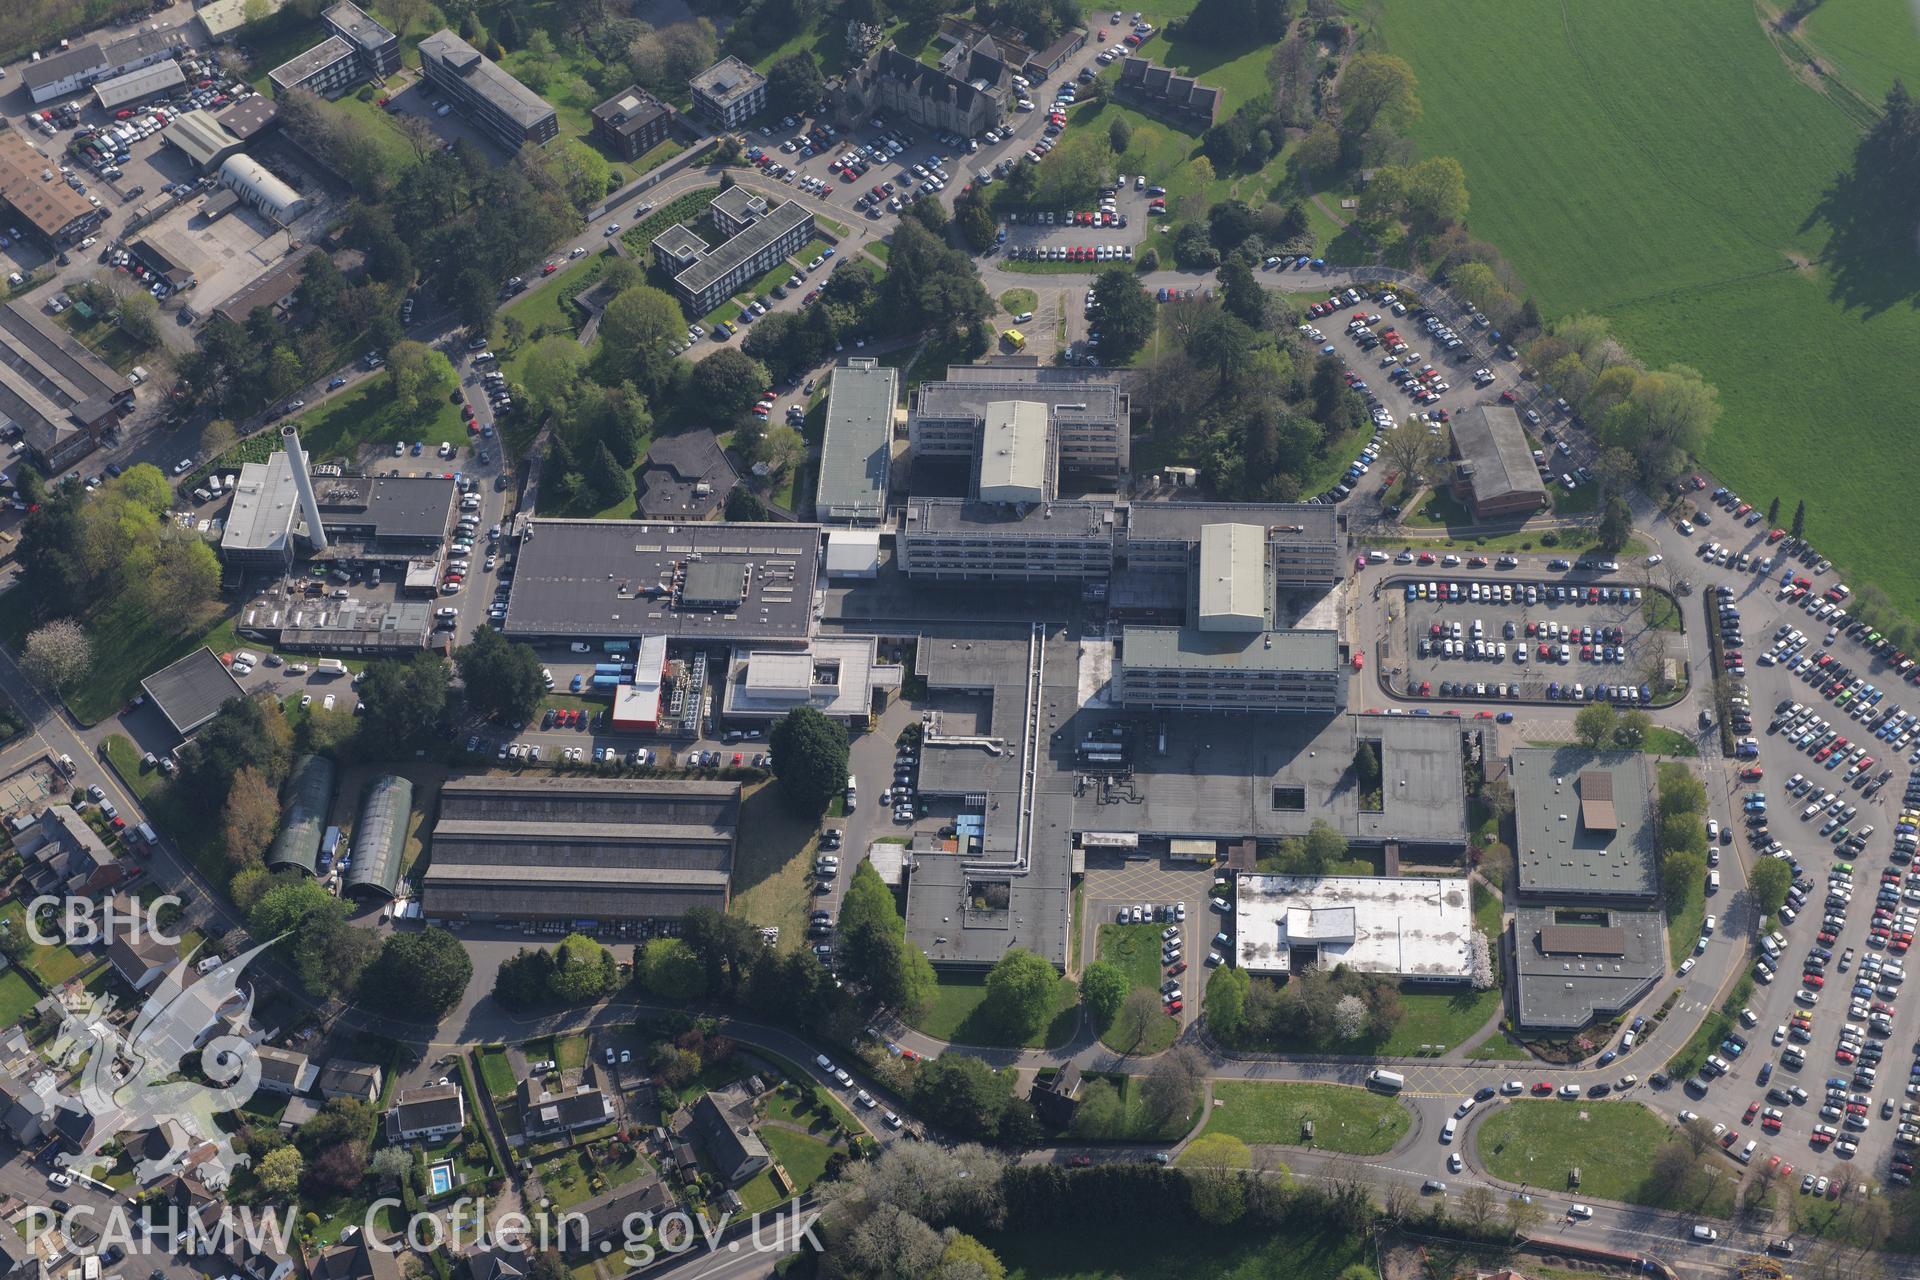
(968, 92)
(1492, 468)
(632, 123)
(357, 49)
(1087, 417)
(685, 476)
(1417, 929)
(856, 453)
(362, 520)
(838, 676)
(1188, 669)
(191, 691)
(1583, 826)
(758, 238)
(500, 106)
(560, 849)
(729, 93)
(1575, 965)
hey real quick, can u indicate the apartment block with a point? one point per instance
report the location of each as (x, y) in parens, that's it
(758, 238)
(729, 93)
(500, 106)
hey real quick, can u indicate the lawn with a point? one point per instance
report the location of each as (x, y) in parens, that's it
(125, 759)
(372, 122)
(368, 416)
(956, 1015)
(1018, 301)
(1438, 1018)
(1632, 183)
(1684, 918)
(1497, 1047)
(1537, 1142)
(1135, 948)
(497, 1073)
(803, 1157)
(771, 880)
(1662, 741)
(126, 646)
(53, 965)
(1103, 1247)
(1344, 1118)
(568, 1052)
(16, 997)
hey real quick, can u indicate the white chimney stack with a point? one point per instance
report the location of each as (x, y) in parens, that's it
(303, 485)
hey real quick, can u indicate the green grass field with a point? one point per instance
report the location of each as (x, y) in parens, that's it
(126, 646)
(16, 997)
(1632, 182)
(1344, 1118)
(1536, 1143)
(125, 759)
(497, 1073)
(1135, 948)
(956, 1015)
(368, 416)
(772, 880)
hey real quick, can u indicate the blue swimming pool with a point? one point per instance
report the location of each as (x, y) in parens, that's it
(440, 1176)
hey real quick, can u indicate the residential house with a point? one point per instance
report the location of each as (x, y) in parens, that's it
(427, 1115)
(346, 1078)
(577, 1104)
(358, 1259)
(285, 1071)
(494, 1262)
(258, 1259)
(1056, 1098)
(605, 1222)
(26, 1107)
(723, 1124)
(139, 957)
(63, 855)
(1161, 91)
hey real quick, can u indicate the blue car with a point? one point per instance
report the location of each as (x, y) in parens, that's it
(1607, 1057)
(1505, 717)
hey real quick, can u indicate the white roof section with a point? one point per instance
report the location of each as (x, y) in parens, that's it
(634, 703)
(853, 553)
(835, 675)
(1233, 577)
(265, 505)
(1393, 926)
(1013, 452)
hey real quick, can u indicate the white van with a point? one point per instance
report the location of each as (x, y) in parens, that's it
(853, 793)
(1704, 1234)
(1448, 1129)
(1626, 1042)
(247, 656)
(1713, 880)
(1390, 1081)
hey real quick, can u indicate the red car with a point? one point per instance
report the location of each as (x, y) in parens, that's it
(1753, 1109)
(1175, 1006)
(1543, 1088)
(549, 269)
(1751, 775)
(1080, 1162)
(1177, 968)
(736, 759)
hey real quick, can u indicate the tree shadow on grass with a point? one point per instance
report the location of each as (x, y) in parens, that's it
(1872, 255)
(771, 837)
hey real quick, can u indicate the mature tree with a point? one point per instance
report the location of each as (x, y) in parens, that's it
(744, 505)
(582, 970)
(405, 699)
(1134, 1021)
(1799, 525)
(1436, 192)
(1172, 1088)
(1119, 134)
(812, 751)
(550, 370)
(420, 976)
(1319, 151)
(1022, 989)
(1616, 524)
(1101, 1113)
(1226, 1002)
(249, 819)
(794, 84)
(1127, 315)
(1681, 874)
(962, 1094)
(728, 382)
(1594, 723)
(1681, 791)
(974, 218)
(502, 679)
(1477, 1205)
(670, 970)
(638, 320)
(419, 377)
(1102, 987)
(1769, 881)
(1241, 295)
(1350, 1018)
(1413, 454)
(1378, 89)
(57, 654)
(521, 980)
(966, 1258)
(1215, 1165)
(279, 1171)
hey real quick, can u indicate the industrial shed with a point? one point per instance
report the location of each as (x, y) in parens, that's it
(305, 800)
(380, 838)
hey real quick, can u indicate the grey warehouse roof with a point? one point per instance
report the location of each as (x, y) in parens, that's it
(857, 452)
(191, 691)
(1557, 852)
(614, 578)
(1492, 441)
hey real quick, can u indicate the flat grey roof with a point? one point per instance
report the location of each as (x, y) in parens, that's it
(80, 58)
(353, 22)
(1219, 773)
(482, 75)
(1071, 395)
(1182, 521)
(1565, 992)
(1190, 649)
(727, 80)
(1491, 440)
(191, 691)
(630, 110)
(856, 454)
(303, 64)
(139, 84)
(592, 578)
(1558, 854)
(265, 506)
(766, 229)
(1054, 519)
(409, 507)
